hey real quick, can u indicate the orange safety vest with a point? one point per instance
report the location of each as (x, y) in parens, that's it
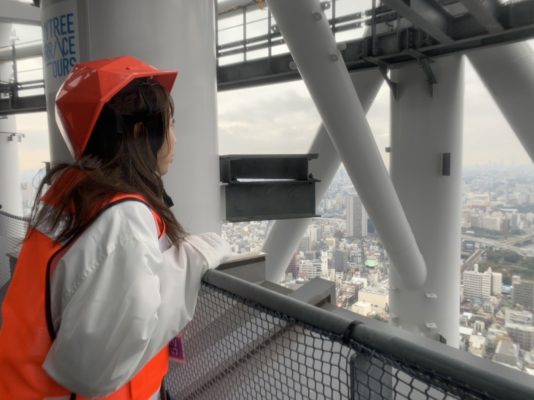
(26, 334)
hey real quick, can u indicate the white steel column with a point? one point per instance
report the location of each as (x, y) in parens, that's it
(284, 236)
(61, 51)
(423, 128)
(169, 34)
(508, 74)
(10, 190)
(315, 52)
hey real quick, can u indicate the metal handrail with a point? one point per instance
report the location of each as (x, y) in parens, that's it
(337, 24)
(459, 367)
(15, 217)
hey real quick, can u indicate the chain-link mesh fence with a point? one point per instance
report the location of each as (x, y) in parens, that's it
(12, 232)
(236, 349)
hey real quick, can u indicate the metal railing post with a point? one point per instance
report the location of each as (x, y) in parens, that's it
(14, 88)
(269, 33)
(244, 34)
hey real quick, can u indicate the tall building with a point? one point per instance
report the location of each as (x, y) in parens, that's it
(523, 294)
(479, 326)
(310, 268)
(324, 264)
(496, 283)
(293, 267)
(315, 233)
(356, 217)
(340, 260)
(477, 284)
(305, 244)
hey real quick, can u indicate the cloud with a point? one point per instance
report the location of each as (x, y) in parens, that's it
(277, 118)
(282, 118)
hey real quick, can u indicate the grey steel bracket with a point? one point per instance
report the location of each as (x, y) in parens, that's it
(424, 62)
(265, 187)
(384, 68)
(316, 291)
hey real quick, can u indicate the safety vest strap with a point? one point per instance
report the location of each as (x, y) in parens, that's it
(148, 380)
(26, 308)
(128, 196)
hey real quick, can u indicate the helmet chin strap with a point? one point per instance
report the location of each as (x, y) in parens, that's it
(142, 85)
(167, 199)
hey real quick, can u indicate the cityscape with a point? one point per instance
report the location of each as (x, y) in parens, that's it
(497, 289)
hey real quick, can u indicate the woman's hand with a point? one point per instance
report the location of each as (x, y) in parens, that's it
(212, 247)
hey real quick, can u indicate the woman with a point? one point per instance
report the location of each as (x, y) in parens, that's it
(106, 276)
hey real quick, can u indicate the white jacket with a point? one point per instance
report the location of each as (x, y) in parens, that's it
(119, 295)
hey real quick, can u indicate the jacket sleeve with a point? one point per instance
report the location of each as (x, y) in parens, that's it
(121, 300)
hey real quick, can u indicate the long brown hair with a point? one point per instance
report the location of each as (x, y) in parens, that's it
(120, 157)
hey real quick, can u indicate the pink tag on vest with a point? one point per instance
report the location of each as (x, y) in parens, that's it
(176, 350)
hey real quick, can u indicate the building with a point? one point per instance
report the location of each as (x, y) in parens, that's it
(341, 260)
(356, 217)
(305, 244)
(479, 200)
(507, 354)
(293, 267)
(496, 283)
(331, 242)
(324, 264)
(362, 308)
(519, 326)
(491, 223)
(371, 268)
(477, 345)
(315, 233)
(523, 294)
(377, 297)
(522, 335)
(310, 268)
(347, 294)
(495, 334)
(479, 326)
(517, 317)
(528, 363)
(477, 284)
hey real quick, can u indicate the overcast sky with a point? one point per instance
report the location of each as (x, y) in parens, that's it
(281, 118)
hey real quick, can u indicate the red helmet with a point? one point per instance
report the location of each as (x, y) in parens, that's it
(89, 86)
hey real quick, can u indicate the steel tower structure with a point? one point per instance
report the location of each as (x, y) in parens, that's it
(416, 207)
